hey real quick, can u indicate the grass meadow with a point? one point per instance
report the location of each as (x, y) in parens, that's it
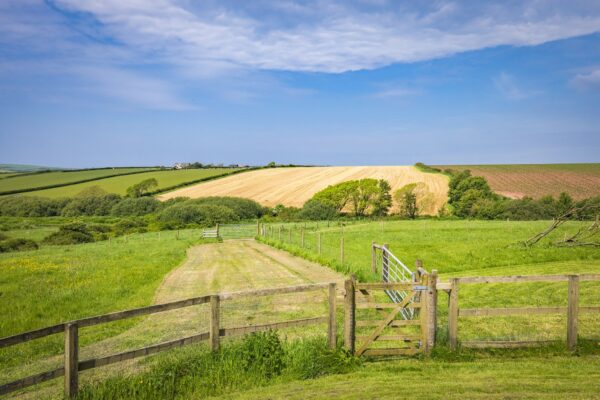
(468, 248)
(60, 283)
(119, 184)
(45, 179)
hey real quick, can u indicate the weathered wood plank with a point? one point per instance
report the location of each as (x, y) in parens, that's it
(386, 286)
(31, 380)
(146, 351)
(396, 324)
(71, 360)
(385, 305)
(391, 352)
(268, 292)
(484, 312)
(572, 312)
(389, 338)
(504, 344)
(331, 324)
(349, 315)
(453, 314)
(589, 309)
(513, 279)
(277, 325)
(215, 316)
(27, 336)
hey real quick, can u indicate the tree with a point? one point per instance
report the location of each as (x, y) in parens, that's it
(142, 188)
(383, 200)
(315, 210)
(407, 200)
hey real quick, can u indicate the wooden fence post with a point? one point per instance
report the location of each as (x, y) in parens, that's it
(342, 250)
(302, 237)
(572, 312)
(319, 243)
(424, 315)
(332, 327)
(279, 233)
(385, 277)
(453, 314)
(432, 307)
(349, 310)
(217, 230)
(257, 227)
(373, 258)
(214, 322)
(71, 360)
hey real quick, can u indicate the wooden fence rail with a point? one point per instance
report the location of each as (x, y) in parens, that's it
(572, 310)
(72, 364)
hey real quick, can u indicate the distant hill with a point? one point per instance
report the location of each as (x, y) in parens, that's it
(537, 180)
(24, 168)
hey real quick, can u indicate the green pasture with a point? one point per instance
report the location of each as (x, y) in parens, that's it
(119, 184)
(33, 181)
(60, 283)
(466, 248)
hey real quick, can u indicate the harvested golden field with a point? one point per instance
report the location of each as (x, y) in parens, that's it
(537, 180)
(294, 186)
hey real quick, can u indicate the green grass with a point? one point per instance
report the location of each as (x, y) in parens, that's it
(62, 283)
(33, 181)
(531, 377)
(470, 248)
(119, 184)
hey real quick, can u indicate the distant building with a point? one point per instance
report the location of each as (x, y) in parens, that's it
(181, 165)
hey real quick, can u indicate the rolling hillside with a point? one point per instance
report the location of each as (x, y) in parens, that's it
(119, 184)
(294, 186)
(536, 180)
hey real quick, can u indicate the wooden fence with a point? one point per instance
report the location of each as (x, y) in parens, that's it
(72, 365)
(572, 310)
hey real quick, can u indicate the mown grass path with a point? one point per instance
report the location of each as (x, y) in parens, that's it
(209, 268)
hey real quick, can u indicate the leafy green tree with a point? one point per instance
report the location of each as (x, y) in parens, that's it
(315, 210)
(383, 199)
(142, 188)
(407, 201)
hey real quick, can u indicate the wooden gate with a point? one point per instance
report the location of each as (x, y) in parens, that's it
(376, 325)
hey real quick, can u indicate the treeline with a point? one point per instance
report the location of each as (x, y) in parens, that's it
(471, 197)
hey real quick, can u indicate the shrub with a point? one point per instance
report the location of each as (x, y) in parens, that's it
(316, 210)
(91, 205)
(135, 206)
(363, 196)
(263, 353)
(29, 206)
(142, 188)
(73, 233)
(243, 208)
(17, 245)
(125, 226)
(187, 213)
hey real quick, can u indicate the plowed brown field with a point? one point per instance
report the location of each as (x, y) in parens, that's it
(294, 186)
(537, 180)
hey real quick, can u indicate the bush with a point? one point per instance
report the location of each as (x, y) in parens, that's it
(263, 353)
(316, 210)
(17, 245)
(188, 213)
(125, 226)
(135, 206)
(91, 205)
(243, 208)
(74, 233)
(26, 206)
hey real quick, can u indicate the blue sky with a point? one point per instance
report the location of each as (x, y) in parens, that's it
(87, 83)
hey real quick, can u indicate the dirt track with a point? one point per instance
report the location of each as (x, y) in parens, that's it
(294, 186)
(234, 265)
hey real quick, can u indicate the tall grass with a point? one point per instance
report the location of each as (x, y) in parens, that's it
(257, 360)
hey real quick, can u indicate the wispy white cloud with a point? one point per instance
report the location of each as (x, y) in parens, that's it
(587, 80)
(507, 85)
(396, 91)
(338, 36)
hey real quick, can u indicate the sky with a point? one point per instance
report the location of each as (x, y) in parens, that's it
(89, 83)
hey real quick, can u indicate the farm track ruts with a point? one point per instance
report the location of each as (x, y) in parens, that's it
(222, 267)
